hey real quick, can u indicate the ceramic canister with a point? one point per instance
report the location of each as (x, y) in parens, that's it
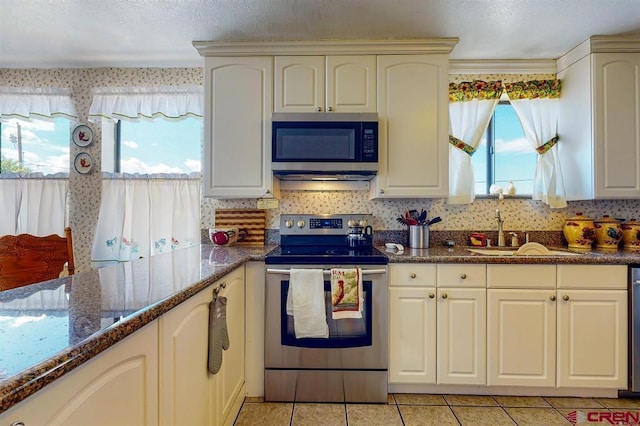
(631, 234)
(579, 231)
(608, 232)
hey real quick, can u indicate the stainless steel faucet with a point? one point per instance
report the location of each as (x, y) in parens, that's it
(500, 230)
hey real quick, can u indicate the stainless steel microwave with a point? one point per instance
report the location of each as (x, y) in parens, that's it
(325, 143)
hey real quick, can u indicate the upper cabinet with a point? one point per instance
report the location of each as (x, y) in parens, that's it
(325, 83)
(599, 119)
(413, 109)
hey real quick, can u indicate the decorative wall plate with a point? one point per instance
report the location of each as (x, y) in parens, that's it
(82, 135)
(83, 163)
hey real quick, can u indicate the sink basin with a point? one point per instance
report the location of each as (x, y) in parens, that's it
(528, 249)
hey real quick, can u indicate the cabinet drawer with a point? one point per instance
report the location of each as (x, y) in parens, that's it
(461, 275)
(592, 276)
(521, 276)
(412, 274)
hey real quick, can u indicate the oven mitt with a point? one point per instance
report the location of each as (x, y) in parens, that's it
(218, 334)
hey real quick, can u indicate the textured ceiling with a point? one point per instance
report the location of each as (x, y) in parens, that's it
(159, 33)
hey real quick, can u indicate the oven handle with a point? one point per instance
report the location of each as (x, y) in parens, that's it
(326, 271)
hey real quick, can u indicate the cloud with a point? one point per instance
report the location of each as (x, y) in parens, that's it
(513, 146)
(130, 144)
(193, 165)
(133, 165)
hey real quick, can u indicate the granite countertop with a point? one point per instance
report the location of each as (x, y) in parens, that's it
(50, 328)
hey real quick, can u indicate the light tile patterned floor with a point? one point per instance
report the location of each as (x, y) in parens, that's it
(420, 409)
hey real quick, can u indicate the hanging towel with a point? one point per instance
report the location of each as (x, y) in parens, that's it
(346, 293)
(305, 302)
(218, 334)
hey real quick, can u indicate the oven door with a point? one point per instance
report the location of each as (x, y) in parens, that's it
(352, 343)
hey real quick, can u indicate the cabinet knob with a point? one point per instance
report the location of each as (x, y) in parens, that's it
(444, 295)
(330, 108)
(224, 284)
(552, 298)
(565, 297)
(319, 109)
(382, 191)
(413, 275)
(463, 276)
(431, 295)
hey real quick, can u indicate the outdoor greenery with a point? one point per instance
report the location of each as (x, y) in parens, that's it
(12, 166)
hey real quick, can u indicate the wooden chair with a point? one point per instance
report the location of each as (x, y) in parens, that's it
(27, 259)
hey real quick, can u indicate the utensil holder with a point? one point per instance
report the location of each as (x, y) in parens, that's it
(419, 236)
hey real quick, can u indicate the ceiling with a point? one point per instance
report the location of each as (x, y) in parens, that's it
(159, 33)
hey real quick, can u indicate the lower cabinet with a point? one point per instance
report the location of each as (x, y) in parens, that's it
(189, 394)
(117, 387)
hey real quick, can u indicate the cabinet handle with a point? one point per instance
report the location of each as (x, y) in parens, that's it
(565, 297)
(224, 284)
(444, 295)
(319, 109)
(330, 108)
(413, 275)
(431, 295)
(463, 276)
(17, 424)
(552, 298)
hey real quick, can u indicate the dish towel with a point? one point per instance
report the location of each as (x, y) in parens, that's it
(346, 293)
(305, 302)
(218, 334)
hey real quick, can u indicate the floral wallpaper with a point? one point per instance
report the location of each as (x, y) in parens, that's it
(520, 214)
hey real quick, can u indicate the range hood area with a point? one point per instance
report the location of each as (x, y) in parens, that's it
(325, 176)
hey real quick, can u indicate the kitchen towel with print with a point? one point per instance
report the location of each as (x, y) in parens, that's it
(218, 333)
(346, 293)
(305, 302)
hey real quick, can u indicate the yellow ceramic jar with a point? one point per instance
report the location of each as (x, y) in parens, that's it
(608, 232)
(631, 234)
(579, 231)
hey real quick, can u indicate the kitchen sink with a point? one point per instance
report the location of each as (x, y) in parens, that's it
(528, 249)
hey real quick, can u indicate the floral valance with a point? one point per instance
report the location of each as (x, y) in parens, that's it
(477, 89)
(132, 103)
(42, 102)
(533, 89)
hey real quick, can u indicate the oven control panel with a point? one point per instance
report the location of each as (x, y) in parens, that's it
(302, 224)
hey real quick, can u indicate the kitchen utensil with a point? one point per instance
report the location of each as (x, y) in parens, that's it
(253, 220)
(223, 237)
(434, 220)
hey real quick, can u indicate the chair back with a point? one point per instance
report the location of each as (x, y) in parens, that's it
(27, 259)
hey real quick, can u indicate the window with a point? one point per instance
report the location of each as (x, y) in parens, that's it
(504, 154)
(152, 146)
(35, 145)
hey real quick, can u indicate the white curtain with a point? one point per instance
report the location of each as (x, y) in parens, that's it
(26, 102)
(470, 109)
(538, 114)
(142, 215)
(132, 103)
(33, 204)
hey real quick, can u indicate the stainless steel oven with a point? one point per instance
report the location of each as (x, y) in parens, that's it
(351, 363)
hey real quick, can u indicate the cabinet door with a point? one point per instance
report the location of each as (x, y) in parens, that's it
(617, 123)
(237, 141)
(117, 387)
(412, 335)
(413, 127)
(521, 337)
(461, 336)
(351, 83)
(592, 338)
(299, 83)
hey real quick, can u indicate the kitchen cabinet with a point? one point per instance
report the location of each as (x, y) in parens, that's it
(412, 324)
(599, 118)
(325, 83)
(237, 131)
(118, 386)
(254, 326)
(189, 393)
(413, 126)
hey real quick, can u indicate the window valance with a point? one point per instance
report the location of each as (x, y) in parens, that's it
(533, 89)
(133, 103)
(41, 102)
(477, 89)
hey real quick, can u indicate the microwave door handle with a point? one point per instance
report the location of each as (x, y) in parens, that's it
(326, 271)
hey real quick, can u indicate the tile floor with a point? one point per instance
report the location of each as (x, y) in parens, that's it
(421, 409)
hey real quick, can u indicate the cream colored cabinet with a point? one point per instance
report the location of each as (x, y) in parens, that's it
(412, 324)
(592, 326)
(413, 126)
(118, 386)
(254, 327)
(237, 131)
(461, 324)
(521, 325)
(325, 83)
(599, 118)
(189, 393)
